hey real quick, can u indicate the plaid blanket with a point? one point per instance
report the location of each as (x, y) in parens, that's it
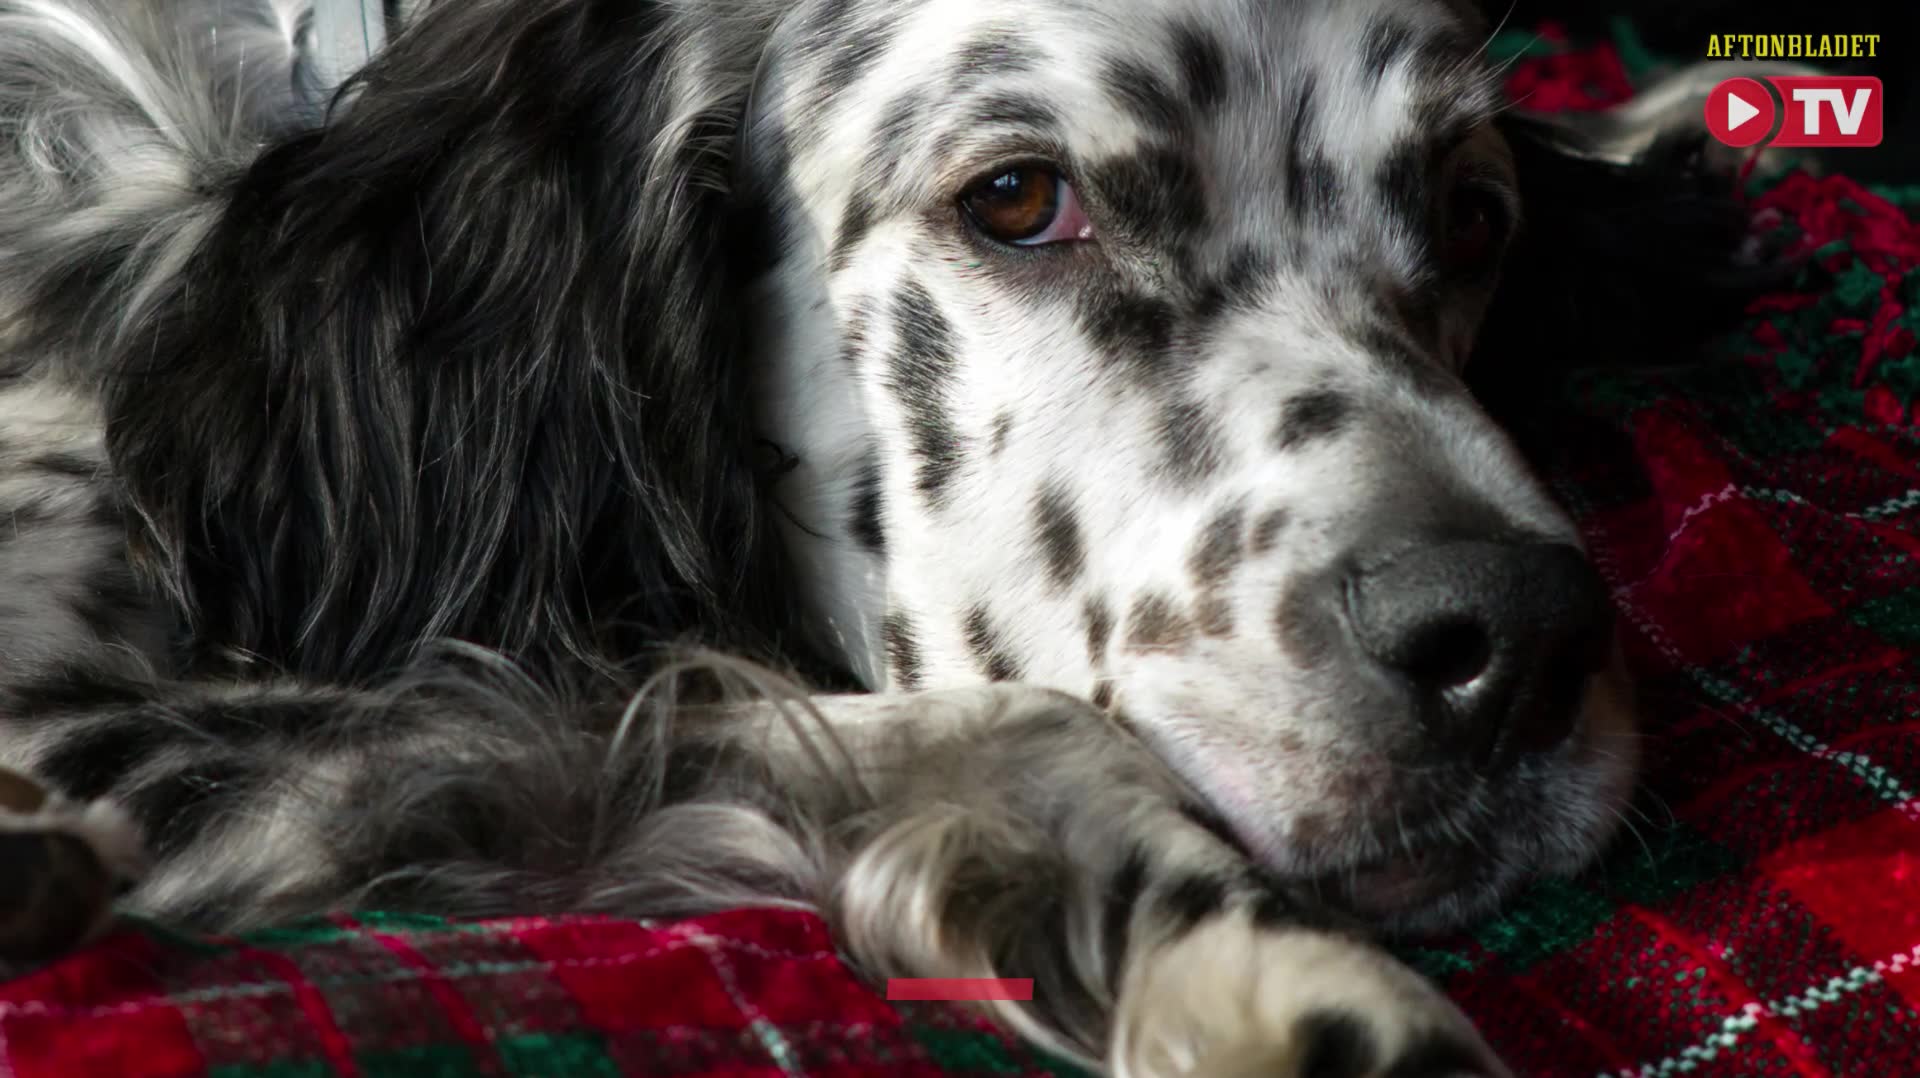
(1759, 520)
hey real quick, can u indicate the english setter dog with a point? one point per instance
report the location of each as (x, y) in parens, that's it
(998, 472)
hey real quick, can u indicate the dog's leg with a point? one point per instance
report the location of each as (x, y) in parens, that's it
(1004, 831)
(1009, 831)
(69, 599)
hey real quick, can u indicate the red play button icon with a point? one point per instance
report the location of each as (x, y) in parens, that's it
(1740, 112)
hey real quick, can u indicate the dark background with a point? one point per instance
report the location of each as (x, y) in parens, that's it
(1679, 29)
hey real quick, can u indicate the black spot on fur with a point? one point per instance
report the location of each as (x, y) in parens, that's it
(1193, 898)
(115, 607)
(1156, 624)
(1246, 272)
(989, 650)
(1133, 328)
(893, 137)
(1312, 416)
(1313, 187)
(1103, 694)
(1213, 613)
(1312, 183)
(1218, 549)
(1002, 430)
(1192, 439)
(97, 759)
(1211, 563)
(1099, 621)
(1145, 94)
(1012, 110)
(179, 807)
(1058, 528)
(1155, 193)
(24, 519)
(923, 365)
(828, 23)
(70, 465)
(88, 763)
(58, 696)
(1203, 64)
(1304, 630)
(853, 55)
(854, 333)
(1383, 43)
(854, 224)
(1337, 1046)
(993, 54)
(1266, 533)
(865, 521)
(903, 651)
(1402, 185)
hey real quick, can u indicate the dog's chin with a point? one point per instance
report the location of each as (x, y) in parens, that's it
(1434, 854)
(1429, 892)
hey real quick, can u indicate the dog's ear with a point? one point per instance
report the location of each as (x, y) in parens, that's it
(1633, 248)
(464, 361)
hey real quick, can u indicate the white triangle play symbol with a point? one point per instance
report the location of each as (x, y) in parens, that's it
(1739, 112)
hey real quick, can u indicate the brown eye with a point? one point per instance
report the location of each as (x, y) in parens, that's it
(1028, 206)
(1476, 229)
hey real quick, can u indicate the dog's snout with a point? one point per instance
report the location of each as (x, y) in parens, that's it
(1495, 639)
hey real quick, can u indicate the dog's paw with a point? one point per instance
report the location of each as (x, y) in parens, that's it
(1231, 999)
(61, 863)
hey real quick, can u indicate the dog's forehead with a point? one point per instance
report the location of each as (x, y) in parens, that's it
(899, 103)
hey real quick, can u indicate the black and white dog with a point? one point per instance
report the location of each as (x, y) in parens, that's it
(1067, 393)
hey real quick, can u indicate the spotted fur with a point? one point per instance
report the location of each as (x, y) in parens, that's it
(369, 464)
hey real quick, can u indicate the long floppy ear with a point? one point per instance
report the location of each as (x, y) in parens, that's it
(1633, 249)
(464, 361)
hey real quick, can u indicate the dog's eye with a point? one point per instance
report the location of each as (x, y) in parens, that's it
(1027, 206)
(1476, 229)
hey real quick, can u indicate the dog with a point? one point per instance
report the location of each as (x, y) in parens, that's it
(1000, 474)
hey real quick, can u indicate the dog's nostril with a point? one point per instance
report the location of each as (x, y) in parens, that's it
(1446, 654)
(1493, 640)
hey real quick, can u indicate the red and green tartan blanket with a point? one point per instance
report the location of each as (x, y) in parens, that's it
(1758, 517)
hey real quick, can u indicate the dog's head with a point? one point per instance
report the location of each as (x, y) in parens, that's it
(1119, 347)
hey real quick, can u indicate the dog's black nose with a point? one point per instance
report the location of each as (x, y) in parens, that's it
(1495, 639)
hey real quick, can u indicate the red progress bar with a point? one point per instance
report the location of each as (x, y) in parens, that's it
(959, 988)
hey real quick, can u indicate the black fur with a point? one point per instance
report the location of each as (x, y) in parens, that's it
(1057, 526)
(1336, 1045)
(1191, 434)
(1099, 621)
(903, 650)
(1312, 416)
(922, 368)
(867, 524)
(445, 370)
(1144, 93)
(1203, 64)
(983, 639)
(993, 54)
